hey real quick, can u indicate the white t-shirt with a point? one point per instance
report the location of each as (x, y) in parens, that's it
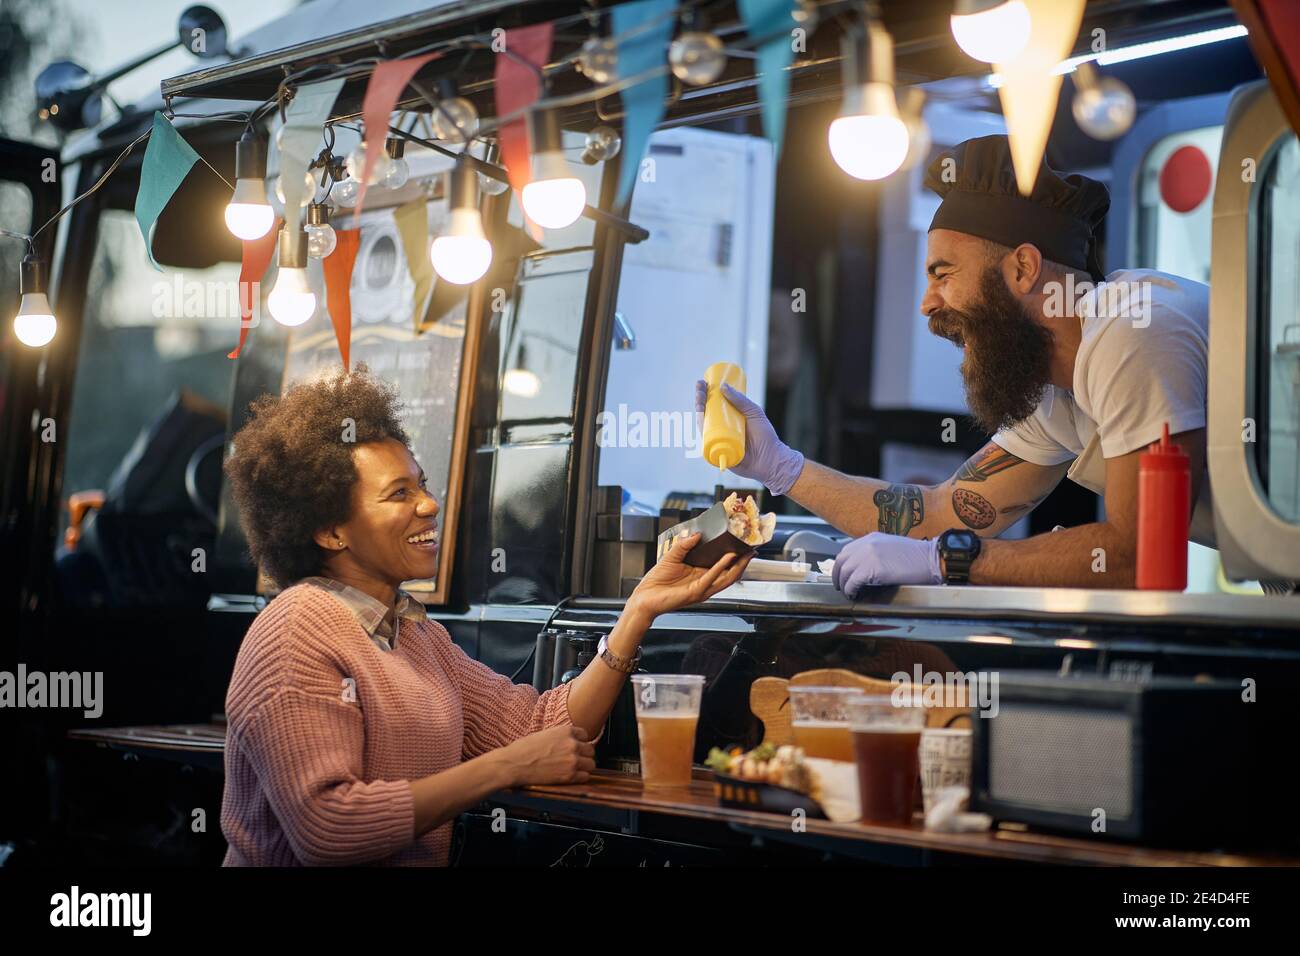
(1142, 362)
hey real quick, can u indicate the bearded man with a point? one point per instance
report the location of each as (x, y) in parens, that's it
(1073, 373)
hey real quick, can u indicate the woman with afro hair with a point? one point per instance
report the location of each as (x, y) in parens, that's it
(357, 730)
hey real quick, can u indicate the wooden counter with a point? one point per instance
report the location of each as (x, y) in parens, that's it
(624, 796)
(617, 802)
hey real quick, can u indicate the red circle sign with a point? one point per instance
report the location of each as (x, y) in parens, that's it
(1185, 179)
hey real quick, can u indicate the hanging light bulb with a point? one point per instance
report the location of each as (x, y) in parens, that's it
(454, 119)
(869, 139)
(34, 325)
(292, 301)
(490, 186)
(248, 214)
(321, 238)
(603, 143)
(555, 197)
(308, 192)
(398, 171)
(357, 165)
(697, 57)
(1103, 106)
(994, 31)
(598, 59)
(462, 254)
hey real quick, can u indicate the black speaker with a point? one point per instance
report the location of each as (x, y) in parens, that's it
(1164, 759)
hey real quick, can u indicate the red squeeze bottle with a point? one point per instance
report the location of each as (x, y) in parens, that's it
(1164, 507)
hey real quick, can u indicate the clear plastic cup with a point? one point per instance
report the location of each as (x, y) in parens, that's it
(820, 720)
(667, 710)
(886, 741)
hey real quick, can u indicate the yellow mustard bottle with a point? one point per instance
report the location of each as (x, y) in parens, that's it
(724, 426)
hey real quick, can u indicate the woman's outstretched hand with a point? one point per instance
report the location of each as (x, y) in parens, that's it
(672, 583)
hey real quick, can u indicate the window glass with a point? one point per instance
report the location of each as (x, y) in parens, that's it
(1278, 376)
(147, 421)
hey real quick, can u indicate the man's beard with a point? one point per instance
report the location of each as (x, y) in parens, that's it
(1007, 365)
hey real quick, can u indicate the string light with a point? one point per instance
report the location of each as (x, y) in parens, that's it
(555, 197)
(321, 238)
(463, 254)
(868, 140)
(994, 31)
(292, 301)
(34, 325)
(248, 214)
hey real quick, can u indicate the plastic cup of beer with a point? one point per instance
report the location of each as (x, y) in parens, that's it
(667, 710)
(886, 741)
(820, 720)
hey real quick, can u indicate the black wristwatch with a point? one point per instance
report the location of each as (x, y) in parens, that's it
(958, 549)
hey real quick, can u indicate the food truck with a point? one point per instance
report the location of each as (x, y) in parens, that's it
(549, 402)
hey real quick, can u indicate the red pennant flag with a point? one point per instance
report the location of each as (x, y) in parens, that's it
(387, 82)
(338, 288)
(257, 256)
(518, 85)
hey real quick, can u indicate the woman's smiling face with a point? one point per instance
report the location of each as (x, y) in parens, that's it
(391, 535)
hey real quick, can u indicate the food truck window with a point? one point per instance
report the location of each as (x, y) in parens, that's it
(1174, 203)
(146, 423)
(1278, 376)
(698, 291)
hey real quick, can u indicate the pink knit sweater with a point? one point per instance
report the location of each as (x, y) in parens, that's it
(326, 731)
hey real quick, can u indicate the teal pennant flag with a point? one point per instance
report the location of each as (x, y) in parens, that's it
(167, 160)
(643, 104)
(772, 19)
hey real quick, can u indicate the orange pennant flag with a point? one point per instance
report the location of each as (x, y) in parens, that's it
(338, 288)
(518, 85)
(256, 257)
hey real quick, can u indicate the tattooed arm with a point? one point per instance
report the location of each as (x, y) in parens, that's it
(991, 491)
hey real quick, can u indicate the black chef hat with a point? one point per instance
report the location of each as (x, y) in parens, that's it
(1060, 216)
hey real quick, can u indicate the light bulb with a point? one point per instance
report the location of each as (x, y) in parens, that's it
(454, 120)
(869, 141)
(357, 165)
(491, 187)
(1104, 107)
(464, 254)
(291, 302)
(991, 33)
(248, 214)
(35, 324)
(554, 203)
(598, 59)
(397, 175)
(603, 143)
(321, 240)
(697, 58)
(346, 192)
(308, 191)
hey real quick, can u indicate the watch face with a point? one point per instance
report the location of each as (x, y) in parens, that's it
(960, 540)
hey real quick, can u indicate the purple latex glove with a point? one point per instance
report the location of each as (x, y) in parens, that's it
(767, 458)
(880, 558)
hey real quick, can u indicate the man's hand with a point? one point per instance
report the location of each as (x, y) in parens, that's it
(880, 558)
(767, 458)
